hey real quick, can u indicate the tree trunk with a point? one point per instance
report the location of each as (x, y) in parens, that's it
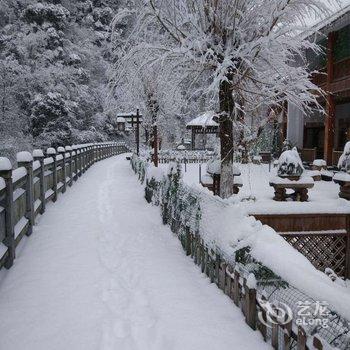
(226, 139)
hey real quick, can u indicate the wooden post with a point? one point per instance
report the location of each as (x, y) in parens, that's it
(301, 342)
(51, 152)
(70, 165)
(317, 343)
(193, 139)
(216, 184)
(9, 241)
(137, 132)
(236, 287)
(250, 301)
(79, 162)
(330, 115)
(62, 152)
(38, 155)
(155, 145)
(25, 159)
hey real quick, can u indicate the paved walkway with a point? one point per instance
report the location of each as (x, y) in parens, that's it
(101, 272)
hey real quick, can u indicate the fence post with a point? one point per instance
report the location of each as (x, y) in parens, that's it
(83, 157)
(9, 241)
(301, 342)
(25, 159)
(79, 161)
(38, 155)
(250, 301)
(236, 287)
(68, 150)
(62, 152)
(51, 152)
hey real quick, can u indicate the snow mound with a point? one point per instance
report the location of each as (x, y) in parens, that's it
(319, 162)
(289, 163)
(5, 164)
(38, 153)
(50, 151)
(24, 156)
(60, 149)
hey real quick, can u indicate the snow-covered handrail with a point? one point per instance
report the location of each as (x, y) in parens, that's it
(24, 191)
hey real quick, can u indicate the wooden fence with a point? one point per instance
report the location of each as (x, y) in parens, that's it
(281, 335)
(25, 191)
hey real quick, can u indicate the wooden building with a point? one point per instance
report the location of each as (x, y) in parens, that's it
(318, 135)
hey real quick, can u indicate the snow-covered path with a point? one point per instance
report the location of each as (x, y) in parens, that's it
(101, 272)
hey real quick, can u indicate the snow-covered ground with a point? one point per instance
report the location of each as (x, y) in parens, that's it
(101, 272)
(323, 197)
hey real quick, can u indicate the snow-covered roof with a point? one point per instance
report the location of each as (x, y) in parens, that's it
(204, 120)
(333, 22)
(121, 120)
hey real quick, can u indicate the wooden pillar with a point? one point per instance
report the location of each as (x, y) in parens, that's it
(330, 108)
(51, 152)
(38, 155)
(62, 152)
(9, 241)
(193, 139)
(25, 159)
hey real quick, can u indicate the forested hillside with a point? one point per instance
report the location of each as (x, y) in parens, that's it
(54, 62)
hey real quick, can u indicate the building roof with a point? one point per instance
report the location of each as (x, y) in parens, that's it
(204, 120)
(331, 23)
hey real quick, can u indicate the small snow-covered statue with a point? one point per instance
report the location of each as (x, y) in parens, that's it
(290, 164)
(344, 160)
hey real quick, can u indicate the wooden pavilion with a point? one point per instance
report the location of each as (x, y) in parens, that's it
(203, 125)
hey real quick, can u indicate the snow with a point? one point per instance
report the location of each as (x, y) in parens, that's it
(3, 250)
(5, 164)
(341, 176)
(18, 174)
(48, 161)
(50, 151)
(2, 183)
(214, 167)
(304, 180)
(24, 156)
(101, 271)
(121, 120)
(323, 197)
(251, 281)
(204, 120)
(20, 226)
(60, 149)
(289, 163)
(36, 165)
(69, 148)
(319, 162)
(38, 153)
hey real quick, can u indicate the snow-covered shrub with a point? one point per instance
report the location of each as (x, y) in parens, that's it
(344, 159)
(290, 164)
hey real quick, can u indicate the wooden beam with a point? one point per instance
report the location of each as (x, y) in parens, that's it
(330, 113)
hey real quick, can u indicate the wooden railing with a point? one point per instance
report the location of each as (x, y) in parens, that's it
(25, 191)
